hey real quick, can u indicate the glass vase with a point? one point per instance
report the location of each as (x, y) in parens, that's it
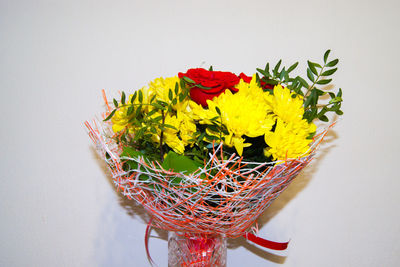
(196, 250)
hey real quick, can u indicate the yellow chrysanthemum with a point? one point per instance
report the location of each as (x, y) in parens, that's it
(244, 113)
(283, 105)
(289, 140)
(162, 86)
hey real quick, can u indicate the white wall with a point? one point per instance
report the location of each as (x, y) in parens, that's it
(58, 206)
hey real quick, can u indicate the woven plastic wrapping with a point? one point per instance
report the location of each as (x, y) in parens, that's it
(225, 196)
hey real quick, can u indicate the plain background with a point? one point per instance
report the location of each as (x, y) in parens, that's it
(58, 206)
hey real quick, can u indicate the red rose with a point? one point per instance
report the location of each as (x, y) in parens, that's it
(216, 82)
(247, 79)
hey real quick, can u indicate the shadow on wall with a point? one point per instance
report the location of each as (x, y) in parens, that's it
(134, 209)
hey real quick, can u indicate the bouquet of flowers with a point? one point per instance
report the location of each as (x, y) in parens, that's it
(206, 152)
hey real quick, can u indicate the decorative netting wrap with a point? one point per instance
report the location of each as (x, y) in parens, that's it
(225, 196)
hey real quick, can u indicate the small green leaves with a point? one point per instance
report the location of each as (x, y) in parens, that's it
(315, 73)
(115, 103)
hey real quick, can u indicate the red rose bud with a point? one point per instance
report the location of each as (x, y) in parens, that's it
(209, 84)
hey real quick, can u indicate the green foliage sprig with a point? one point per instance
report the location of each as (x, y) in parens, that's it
(145, 123)
(318, 75)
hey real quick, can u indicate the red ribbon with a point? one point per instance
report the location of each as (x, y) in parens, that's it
(146, 241)
(266, 243)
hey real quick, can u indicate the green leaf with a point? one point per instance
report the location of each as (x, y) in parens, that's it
(314, 112)
(336, 100)
(157, 105)
(151, 112)
(267, 68)
(323, 118)
(332, 63)
(138, 110)
(152, 98)
(133, 97)
(276, 69)
(162, 103)
(203, 87)
(170, 126)
(310, 75)
(322, 112)
(179, 163)
(123, 98)
(218, 110)
(316, 65)
(170, 94)
(282, 74)
(213, 128)
(308, 101)
(320, 92)
(115, 103)
(130, 110)
(210, 68)
(140, 96)
(329, 72)
(128, 152)
(324, 81)
(291, 68)
(263, 72)
(326, 55)
(286, 76)
(303, 82)
(158, 118)
(110, 115)
(176, 88)
(312, 67)
(339, 94)
(187, 79)
(314, 97)
(339, 112)
(200, 138)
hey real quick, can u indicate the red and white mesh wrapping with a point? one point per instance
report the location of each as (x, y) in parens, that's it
(225, 196)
